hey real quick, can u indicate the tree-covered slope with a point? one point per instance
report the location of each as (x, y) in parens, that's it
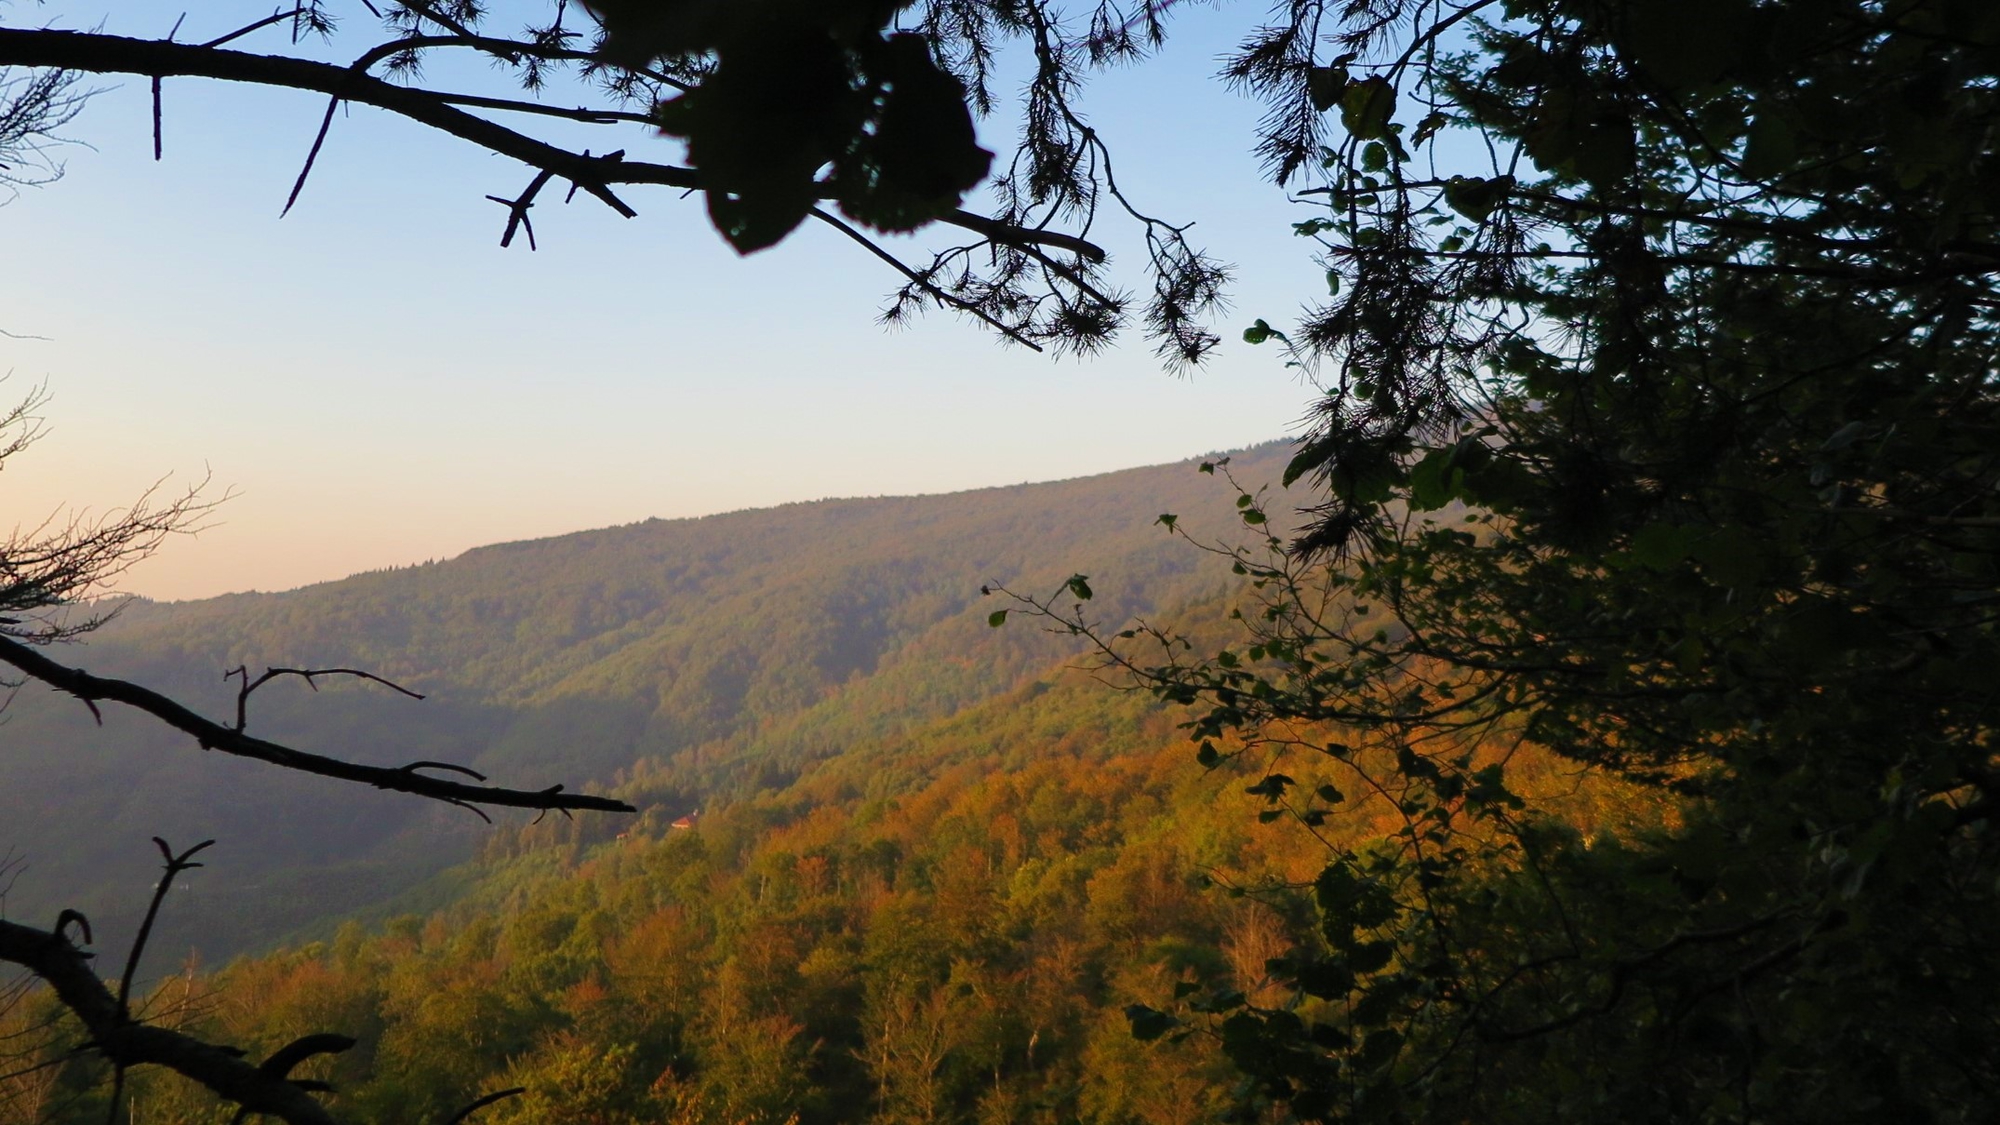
(946, 925)
(720, 653)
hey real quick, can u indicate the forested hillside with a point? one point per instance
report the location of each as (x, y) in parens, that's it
(709, 659)
(944, 925)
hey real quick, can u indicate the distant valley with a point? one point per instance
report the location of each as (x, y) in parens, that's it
(679, 662)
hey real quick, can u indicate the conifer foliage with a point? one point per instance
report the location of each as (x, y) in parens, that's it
(1662, 441)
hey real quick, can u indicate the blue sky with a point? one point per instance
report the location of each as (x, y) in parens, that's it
(379, 383)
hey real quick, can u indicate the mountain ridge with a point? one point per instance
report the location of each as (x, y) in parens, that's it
(734, 648)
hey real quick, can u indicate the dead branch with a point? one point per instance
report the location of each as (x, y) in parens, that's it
(211, 735)
(112, 54)
(484, 1101)
(68, 971)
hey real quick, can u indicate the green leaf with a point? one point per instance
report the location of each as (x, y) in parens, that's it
(1261, 331)
(1366, 107)
(1474, 197)
(1309, 457)
(1436, 480)
(1167, 520)
(997, 618)
(1324, 85)
(1078, 587)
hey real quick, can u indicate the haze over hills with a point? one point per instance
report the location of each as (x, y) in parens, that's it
(684, 661)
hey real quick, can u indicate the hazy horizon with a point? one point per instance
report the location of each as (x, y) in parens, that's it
(377, 381)
(129, 589)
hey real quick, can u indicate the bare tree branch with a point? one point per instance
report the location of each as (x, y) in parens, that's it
(96, 53)
(68, 970)
(211, 735)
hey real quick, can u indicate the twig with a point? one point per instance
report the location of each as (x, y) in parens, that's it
(312, 155)
(175, 864)
(482, 1103)
(925, 283)
(1023, 237)
(466, 770)
(515, 105)
(306, 674)
(517, 209)
(274, 17)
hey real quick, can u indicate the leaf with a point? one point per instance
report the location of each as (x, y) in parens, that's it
(1366, 107)
(997, 618)
(1078, 587)
(1436, 480)
(1310, 457)
(1167, 520)
(1428, 127)
(1148, 1024)
(1371, 955)
(1324, 86)
(1261, 331)
(1475, 197)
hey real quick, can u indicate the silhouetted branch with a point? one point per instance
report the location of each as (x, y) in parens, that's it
(517, 209)
(68, 972)
(923, 282)
(483, 1102)
(111, 54)
(46, 568)
(249, 685)
(281, 1062)
(211, 735)
(312, 154)
(175, 864)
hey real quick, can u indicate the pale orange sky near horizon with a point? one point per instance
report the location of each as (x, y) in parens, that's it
(378, 384)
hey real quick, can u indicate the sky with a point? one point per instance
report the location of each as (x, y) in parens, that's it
(372, 381)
